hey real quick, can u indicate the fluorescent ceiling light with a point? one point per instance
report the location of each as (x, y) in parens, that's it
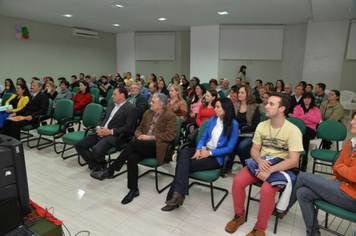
(223, 13)
(117, 6)
(162, 19)
(67, 15)
(115, 25)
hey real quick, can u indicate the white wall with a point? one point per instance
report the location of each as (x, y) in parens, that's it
(125, 53)
(204, 52)
(52, 51)
(325, 52)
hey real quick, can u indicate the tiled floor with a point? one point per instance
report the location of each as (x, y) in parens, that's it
(84, 203)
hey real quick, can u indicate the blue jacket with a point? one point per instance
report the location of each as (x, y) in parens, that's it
(224, 146)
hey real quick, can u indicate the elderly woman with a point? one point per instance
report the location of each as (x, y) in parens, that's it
(340, 191)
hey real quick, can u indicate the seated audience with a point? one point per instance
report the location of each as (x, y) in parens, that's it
(190, 91)
(233, 95)
(111, 81)
(319, 94)
(195, 102)
(264, 103)
(162, 87)
(156, 131)
(60, 80)
(310, 114)
(219, 138)
(38, 105)
(279, 139)
(248, 116)
(332, 109)
(128, 78)
(207, 109)
(261, 90)
(104, 87)
(176, 103)
(120, 83)
(64, 94)
(340, 191)
(303, 83)
(119, 118)
(269, 87)
(89, 80)
(309, 88)
(9, 87)
(296, 99)
(288, 89)
(153, 89)
(74, 83)
(82, 98)
(81, 77)
(18, 101)
(225, 87)
(279, 86)
(238, 83)
(144, 90)
(138, 100)
(50, 90)
(21, 80)
(185, 83)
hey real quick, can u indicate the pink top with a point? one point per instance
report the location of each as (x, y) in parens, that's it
(311, 119)
(195, 106)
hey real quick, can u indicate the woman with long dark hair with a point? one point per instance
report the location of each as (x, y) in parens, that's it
(82, 98)
(195, 102)
(218, 140)
(242, 73)
(279, 86)
(9, 87)
(310, 114)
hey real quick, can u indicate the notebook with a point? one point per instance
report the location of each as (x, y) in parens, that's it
(11, 221)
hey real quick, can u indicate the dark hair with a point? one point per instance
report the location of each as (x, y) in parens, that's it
(82, 74)
(303, 83)
(66, 83)
(322, 86)
(353, 114)
(62, 79)
(196, 79)
(164, 82)
(24, 87)
(282, 83)
(213, 81)
(104, 77)
(337, 93)
(312, 103)
(270, 86)
(122, 90)
(195, 97)
(35, 78)
(214, 94)
(11, 83)
(49, 78)
(87, 89)
(229, 116)
(250, 98)
(154, 78)
(259, 80)
(74, 76)
(285, 99)
(241, 68)
(310, 86)
(23, 81)
(87, 77)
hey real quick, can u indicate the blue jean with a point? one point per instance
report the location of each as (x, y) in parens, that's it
(310, 187)
(243, 148)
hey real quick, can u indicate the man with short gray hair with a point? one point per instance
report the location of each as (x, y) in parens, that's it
(156, 131)
(225, 86)
(137, 99)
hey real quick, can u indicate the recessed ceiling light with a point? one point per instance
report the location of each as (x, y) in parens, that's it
(115, 25)
(162, 19)
(117, 6)
(67, 15)
(350, 9)
(223, 13)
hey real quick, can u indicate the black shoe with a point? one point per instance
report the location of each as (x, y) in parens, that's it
(102, 174)
(130, 196)
(169, 208)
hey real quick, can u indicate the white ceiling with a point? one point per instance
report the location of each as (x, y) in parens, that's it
(141, 15)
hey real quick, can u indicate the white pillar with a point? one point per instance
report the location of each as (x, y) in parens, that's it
(125, 53)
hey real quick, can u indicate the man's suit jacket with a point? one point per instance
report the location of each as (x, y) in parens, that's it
(164, 131)
(294, 103)
(36, 106)
(141, 104)
(123, 121)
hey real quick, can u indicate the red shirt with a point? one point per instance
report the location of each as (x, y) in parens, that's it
(81, 101)
(204, 114)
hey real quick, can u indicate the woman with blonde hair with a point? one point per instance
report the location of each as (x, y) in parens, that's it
(176, 103)
(50, 90)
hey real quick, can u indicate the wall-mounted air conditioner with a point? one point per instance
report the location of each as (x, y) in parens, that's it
(84, 33)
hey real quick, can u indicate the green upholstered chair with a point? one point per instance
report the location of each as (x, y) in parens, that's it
(263, 116)
(328, 130)
(75, 89)
(62, 114)
(152, 162)
(301, 125)
(96, 93)
(109, 95)
(221, 94)
(5, 97)
(206, 85)
(209, 176)
(91, 116)
(36, 123)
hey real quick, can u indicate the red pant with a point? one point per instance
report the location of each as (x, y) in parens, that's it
(267, 194)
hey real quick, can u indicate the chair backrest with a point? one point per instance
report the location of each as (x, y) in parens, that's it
(5, 97)
(346, 96)
(206, 85)
(336, 157)
(179, 125)
(299, 123)
(75, 89)
(221, 94)
(201, 131)
(50, 104)
(263, 116)
(92, 98)
(110, 100)
(331, 130)
(109, 94)
(73, 93)
(92, 114)
(64, 109)
(96, 93)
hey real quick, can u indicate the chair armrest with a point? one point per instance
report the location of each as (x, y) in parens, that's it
(168, 150)
(37, 119)
(227, 164)
(185, 145)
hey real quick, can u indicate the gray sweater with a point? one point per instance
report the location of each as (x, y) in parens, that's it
(63, 95)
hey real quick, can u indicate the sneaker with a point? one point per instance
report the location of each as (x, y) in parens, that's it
(256, 232)
(234, 224)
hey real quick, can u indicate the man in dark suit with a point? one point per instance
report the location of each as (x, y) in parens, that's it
(296, 99)
(120, 118)
(138, 100)
(156, 131)
(38, 105)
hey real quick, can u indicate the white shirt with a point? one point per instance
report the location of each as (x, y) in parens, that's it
(113, 112)
(215, 134)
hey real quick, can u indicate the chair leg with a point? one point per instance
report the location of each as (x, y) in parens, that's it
(81, 164)
(156, 178)
(248, 201)
(315, 224)
(64, 149)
